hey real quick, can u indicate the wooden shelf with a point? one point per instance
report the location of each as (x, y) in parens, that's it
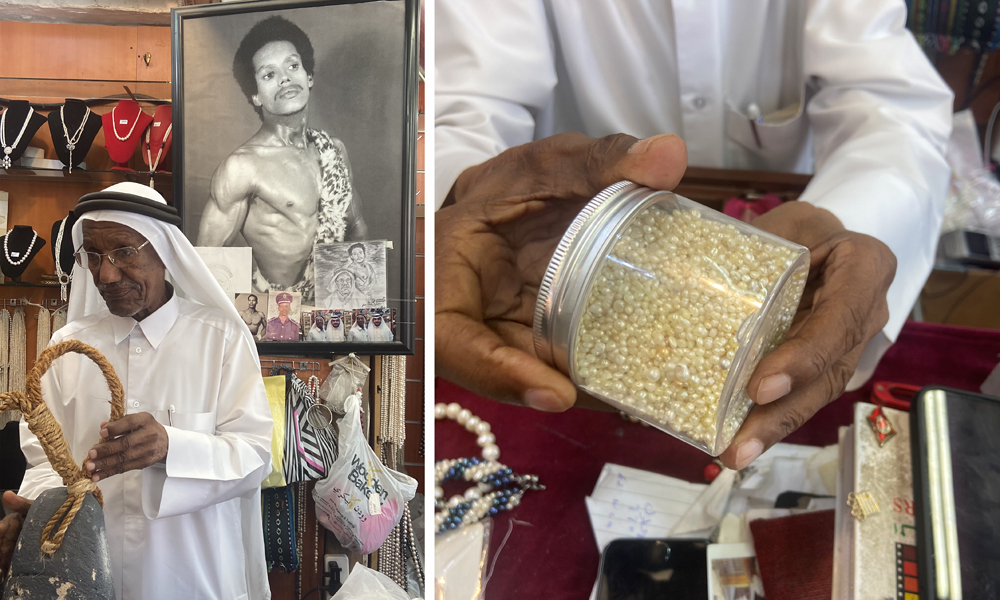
(103, 177)
(30, 284)
(329, 349)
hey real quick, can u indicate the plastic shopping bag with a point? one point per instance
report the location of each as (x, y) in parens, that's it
(347, 376)
(367, 584)
(361, 499)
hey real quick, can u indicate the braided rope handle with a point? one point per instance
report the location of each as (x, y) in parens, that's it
(50, 435)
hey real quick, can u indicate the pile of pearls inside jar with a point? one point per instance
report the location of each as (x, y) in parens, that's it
(682, 304)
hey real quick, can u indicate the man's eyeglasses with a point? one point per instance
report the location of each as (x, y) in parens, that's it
(122, 257)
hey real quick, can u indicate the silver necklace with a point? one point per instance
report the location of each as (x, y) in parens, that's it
(27, 253)
(114, 124)
(64, 277)
(8, 150)
(72, 141)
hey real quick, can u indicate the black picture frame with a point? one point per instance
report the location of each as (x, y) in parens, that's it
(401, 263)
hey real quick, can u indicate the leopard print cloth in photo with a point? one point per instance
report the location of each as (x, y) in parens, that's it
(335, 187)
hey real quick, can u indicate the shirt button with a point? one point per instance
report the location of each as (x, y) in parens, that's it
(700, 102)
(138, 350)
(135, 404)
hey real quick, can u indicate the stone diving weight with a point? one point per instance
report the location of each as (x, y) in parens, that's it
(79, 570)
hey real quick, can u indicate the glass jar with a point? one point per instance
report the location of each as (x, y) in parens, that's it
(663, 308)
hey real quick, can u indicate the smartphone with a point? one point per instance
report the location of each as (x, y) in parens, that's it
(648, 569)
(955, 439)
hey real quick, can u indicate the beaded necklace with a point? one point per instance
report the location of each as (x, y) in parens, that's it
(149, 151)
(44, 330)
(394, 553)
(4, 348)
(27, 253)
(8, 150)
(114, 124)
(64, 278)
(18, 352)
(71, 141)
(498, 488)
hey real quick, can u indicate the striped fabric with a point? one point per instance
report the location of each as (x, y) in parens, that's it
(309, 452)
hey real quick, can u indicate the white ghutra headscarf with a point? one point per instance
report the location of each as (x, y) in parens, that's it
(143, 209)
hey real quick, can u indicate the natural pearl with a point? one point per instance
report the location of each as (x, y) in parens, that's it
(486, 439)
(439, 411)
(455, 500)
(491, 452)
(471, 423)
(482, 427)
(452, 410)
(463, 416)
(659, 329)
(473, 493)
(438, 492)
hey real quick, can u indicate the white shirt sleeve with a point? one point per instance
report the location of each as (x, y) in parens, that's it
(39, 475)
(480, 114)
(205, 468)
(881, 119)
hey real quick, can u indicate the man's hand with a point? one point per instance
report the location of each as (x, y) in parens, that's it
(10, 527)
(135, 442)
(494, 239)
(843, 307)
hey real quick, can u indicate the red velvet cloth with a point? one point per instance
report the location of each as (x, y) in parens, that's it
(557, 556)
(795, 555)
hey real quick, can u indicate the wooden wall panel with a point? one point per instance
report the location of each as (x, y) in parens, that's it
(156, 41)
(52, 51)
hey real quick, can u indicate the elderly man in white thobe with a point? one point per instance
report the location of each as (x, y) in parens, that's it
(838, 88)
(318, 330)
(359, 332)
(182, 470)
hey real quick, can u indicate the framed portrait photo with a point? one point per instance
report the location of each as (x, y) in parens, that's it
(295, 128)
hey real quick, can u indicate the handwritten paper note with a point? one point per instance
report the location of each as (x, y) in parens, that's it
(628, 503)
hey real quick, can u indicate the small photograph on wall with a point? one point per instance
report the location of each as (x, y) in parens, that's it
(283, 310)
(378, 324)
(351, 275)
(253, 311)
(326, 326)
(358, 331)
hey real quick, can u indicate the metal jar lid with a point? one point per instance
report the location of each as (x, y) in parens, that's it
(570, 275)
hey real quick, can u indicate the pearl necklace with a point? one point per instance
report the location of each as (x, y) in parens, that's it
(149, 154)
(72, 141)
(8, 150)
(18, 352)
(44, 330)
(498, 488)
(400, 545)
(64, 278)
(27, 253)
(114, 124)
(10, 415)
(4, 349)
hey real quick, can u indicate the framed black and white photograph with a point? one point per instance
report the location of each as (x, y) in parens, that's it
(295, 128)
